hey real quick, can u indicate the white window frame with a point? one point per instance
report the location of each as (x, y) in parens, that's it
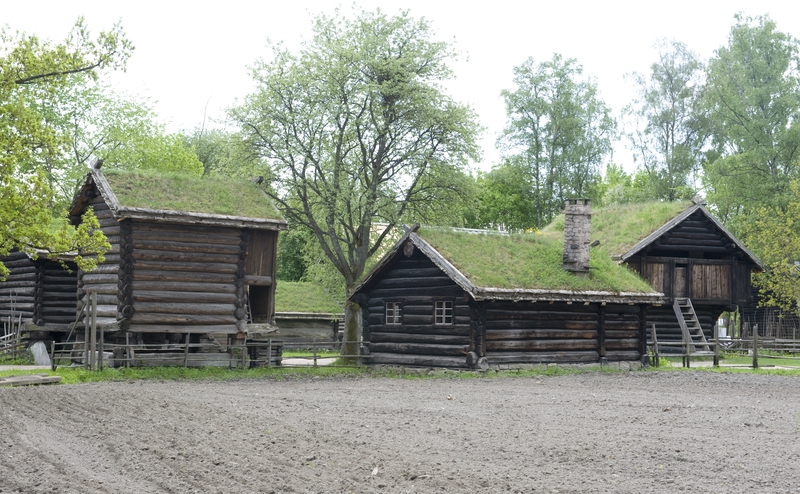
(394, 313)
(443, 313)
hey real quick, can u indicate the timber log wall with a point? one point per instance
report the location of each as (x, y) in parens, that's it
(416, 283)
(104, 280)
(183, 278)
(42, 290)
(19, 289)
(541, 332)
(55, 294)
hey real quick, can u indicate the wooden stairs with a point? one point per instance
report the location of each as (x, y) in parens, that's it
(694, 341)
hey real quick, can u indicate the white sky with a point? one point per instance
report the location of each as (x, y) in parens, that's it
(192, 54)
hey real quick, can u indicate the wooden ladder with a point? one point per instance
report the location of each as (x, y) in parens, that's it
(693, 338)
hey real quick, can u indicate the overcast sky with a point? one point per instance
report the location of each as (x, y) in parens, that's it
(193, 56)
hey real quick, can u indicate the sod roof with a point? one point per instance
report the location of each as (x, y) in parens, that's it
(619, 228)
(530, 261)
(294, 296)
(187, 193)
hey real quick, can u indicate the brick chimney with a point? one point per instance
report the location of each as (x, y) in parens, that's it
(577, 228)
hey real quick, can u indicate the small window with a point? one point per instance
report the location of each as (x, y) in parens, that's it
(444, 312)
(394, 313)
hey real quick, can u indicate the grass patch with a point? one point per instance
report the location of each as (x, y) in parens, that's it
(528, 260)
(296, 296)
(181, 192)
(620, 227)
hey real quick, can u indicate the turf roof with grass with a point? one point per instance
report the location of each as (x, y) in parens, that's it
(620, 227)
(180, 192)
(527, 261)
(295, 296)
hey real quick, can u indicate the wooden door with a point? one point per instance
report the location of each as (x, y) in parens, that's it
(679, 282)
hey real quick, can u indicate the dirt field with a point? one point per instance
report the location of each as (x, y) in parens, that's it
(598, 432)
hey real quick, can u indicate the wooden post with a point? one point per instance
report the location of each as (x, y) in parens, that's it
(86, 325)
(127, 350)
(656, 357)
(102, 348)
(186, 351)
(269, 352)
(716, 344)
(244, 353)
(755, 346)
(686, 360)
(314, 349)
(53, 355)
(601, 334)
(93, 333)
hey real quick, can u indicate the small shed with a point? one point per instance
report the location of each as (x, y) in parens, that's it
(305, 312)
(40, 290)
(189, 254)
(460, 298)
(683, 251)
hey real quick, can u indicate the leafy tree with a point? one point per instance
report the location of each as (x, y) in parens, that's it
(357, 130)
(774, 234)
(32, 71)
(504, 198)
(669, 127)
(559, 128)
(224, 152)
(752, 97)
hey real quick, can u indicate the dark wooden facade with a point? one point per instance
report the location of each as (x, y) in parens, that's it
(693, 256)
(42, 291)
(174, 272)
(504, 327)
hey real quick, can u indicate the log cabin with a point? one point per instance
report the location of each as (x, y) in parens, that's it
(39, 291)
(681, 250)
(189, 255)
(465, 298)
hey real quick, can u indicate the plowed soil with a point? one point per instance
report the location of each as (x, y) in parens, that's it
(594, 432)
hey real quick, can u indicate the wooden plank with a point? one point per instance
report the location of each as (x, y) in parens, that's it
(184, 308)
(170, 319)
(418, 349)
(182, 276)
(165, 255)
(176, 296)
(541, 345)
(222, 236)
(202, 267)
(182, 329)
(29, 380)
(417, 360)
(443, 339)
(182, 286)
(210, 247)
(510, 334)
(542, 358)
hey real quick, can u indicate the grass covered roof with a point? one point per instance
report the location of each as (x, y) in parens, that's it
(527, 261)
(187, 193)
(294, 296)
(619, 228)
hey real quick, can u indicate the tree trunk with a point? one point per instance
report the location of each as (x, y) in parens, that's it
(352, 333)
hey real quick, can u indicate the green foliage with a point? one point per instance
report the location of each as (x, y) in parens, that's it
(527, 261)
(154, 151)
(223, 152)
(292, 260)
(559, 131)
(33, 73)
(304, 297)
(182, 192)
(357, 129)
(774, 235)
(504, 198)
(753, 101)
(669, 126)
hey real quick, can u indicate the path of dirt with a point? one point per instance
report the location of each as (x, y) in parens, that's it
(596, 432)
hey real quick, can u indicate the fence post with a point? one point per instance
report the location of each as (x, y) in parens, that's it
(716, 344)
(127, 350)
(314, 349)
(93, 334)
(186, 351)
(86, 326)
(654, 337)
(244, 353)
(269, 352)
(53, 355)
(755, 346)
(102, 348)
